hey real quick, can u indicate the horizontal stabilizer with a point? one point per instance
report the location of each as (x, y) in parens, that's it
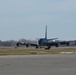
(53, 39)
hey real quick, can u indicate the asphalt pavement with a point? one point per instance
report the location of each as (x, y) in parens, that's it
(54, 64)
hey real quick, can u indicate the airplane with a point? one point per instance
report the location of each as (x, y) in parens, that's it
(43, 42)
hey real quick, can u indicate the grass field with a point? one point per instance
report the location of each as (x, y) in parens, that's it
(28, 51)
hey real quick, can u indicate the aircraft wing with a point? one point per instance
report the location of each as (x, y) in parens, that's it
(32, 44)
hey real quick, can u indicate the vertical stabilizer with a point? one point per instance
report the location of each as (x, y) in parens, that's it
(46, 32)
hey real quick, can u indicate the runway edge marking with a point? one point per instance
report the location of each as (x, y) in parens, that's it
(67, 52)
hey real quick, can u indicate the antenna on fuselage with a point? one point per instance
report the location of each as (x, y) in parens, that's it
(46, 32)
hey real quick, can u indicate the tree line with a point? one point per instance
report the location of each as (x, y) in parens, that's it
(12, 43)
(8, 43)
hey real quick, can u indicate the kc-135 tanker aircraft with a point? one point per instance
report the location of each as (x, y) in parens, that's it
(44, 42)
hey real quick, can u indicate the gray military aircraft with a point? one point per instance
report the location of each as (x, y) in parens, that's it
(43, 42)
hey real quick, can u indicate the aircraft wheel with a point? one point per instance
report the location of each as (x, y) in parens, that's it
(67, 44)
(56, 45)
(37, 47)
(27, 45)
(48, 47)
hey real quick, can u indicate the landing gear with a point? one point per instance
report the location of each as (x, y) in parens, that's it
(67, 44)
(48, 47)
(56, 45)
(37, 47)
(27, 45)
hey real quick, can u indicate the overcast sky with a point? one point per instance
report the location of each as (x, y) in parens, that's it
(28, 18)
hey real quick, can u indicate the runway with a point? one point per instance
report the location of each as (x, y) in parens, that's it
(54, 64)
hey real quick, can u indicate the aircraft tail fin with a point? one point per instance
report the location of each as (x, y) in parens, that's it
(46, 32)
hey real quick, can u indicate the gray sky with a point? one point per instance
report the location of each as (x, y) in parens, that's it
(28, 18)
